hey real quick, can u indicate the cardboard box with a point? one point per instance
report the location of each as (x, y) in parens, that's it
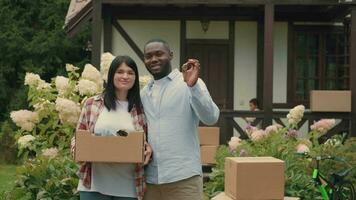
(252, 178)
(117, 149)
(330, 101)
(209, 135)
(207, 154)
(223, 196)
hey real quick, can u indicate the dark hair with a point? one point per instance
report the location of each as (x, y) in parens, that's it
(165, 44)
(254, 101)
(133, 95)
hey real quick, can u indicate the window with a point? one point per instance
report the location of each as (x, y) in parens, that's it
(320, 61)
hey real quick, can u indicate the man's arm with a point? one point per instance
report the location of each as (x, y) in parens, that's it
(203, 105)
(201, 101)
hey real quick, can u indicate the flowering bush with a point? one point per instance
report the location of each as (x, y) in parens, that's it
(285, 143)
(44, 178)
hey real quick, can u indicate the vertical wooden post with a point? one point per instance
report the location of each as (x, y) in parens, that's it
(353, 71)
(97, 26)
(268, 64)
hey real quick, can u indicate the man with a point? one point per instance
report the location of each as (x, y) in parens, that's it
(174, 104)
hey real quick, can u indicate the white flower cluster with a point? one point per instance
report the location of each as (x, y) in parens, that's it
(106, 59)
(71, 68)
(42, 105)
(144, 80)
(25, 140)
(50, 152)
(90, 73)
(323, 125)
(34, 80)
(302, 148)
(295, 115)
(234, 143)
(86, 87)
(25, 119)
(62, 84)
(68, 110)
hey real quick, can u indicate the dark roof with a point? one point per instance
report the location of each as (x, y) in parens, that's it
(80, 11)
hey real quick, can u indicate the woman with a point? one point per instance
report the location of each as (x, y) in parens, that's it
(118, 108)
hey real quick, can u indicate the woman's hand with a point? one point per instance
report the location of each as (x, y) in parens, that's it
(147, 153)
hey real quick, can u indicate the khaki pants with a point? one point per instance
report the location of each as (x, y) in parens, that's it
(187, 189)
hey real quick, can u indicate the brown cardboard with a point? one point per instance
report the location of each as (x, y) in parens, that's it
(221, 196)
(209, 135)
(252, 178)
(117, 149)
(330, 101)
(207, 154)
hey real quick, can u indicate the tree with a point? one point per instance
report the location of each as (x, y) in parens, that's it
(32, 39)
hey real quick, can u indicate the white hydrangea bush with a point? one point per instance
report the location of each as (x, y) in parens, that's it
(47, 127)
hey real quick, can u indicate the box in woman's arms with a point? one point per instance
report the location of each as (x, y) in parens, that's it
(113, 149)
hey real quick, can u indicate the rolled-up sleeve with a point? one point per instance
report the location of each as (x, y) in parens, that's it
(202, 104)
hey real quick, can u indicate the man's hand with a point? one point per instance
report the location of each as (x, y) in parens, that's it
(147, 154)
(190, 72)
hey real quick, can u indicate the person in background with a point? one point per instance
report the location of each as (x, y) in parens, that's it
(254, 106)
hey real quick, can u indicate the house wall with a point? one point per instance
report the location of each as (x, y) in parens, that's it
(245, 59)
(141, 31)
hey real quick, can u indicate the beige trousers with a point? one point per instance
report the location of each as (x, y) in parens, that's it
(187, 189)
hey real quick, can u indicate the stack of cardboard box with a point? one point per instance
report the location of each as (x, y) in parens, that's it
(209, 142)
(253, 178)
(330, 101)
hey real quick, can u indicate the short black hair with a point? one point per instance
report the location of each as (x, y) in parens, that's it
(133, 95)
(165, 44)
(254, 101)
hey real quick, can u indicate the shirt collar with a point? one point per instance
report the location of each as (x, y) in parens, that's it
(99, 97)
(174, 73)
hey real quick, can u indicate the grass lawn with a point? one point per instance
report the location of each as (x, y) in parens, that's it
(7, 177)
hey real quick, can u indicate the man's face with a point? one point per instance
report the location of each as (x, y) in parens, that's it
(157, 59)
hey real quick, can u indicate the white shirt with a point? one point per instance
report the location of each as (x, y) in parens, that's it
(114, 179)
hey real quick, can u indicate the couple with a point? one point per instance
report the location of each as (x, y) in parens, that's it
(173, 103)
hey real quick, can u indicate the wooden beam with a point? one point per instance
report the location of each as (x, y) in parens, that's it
(260, 43)
(128, 39)
(97, 26)
(231, 68)
(353, 71)
(290, 65)
(183, 38)
(107, 32)
(242, 133)
(268, 65)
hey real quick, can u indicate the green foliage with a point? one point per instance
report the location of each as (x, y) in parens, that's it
(44, 178)
(7, 175)
(7, 143)
(298, 170)
(32, 39)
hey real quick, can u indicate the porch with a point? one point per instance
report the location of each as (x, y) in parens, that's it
(315, 13)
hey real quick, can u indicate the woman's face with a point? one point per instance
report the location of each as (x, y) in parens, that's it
(124, 77)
